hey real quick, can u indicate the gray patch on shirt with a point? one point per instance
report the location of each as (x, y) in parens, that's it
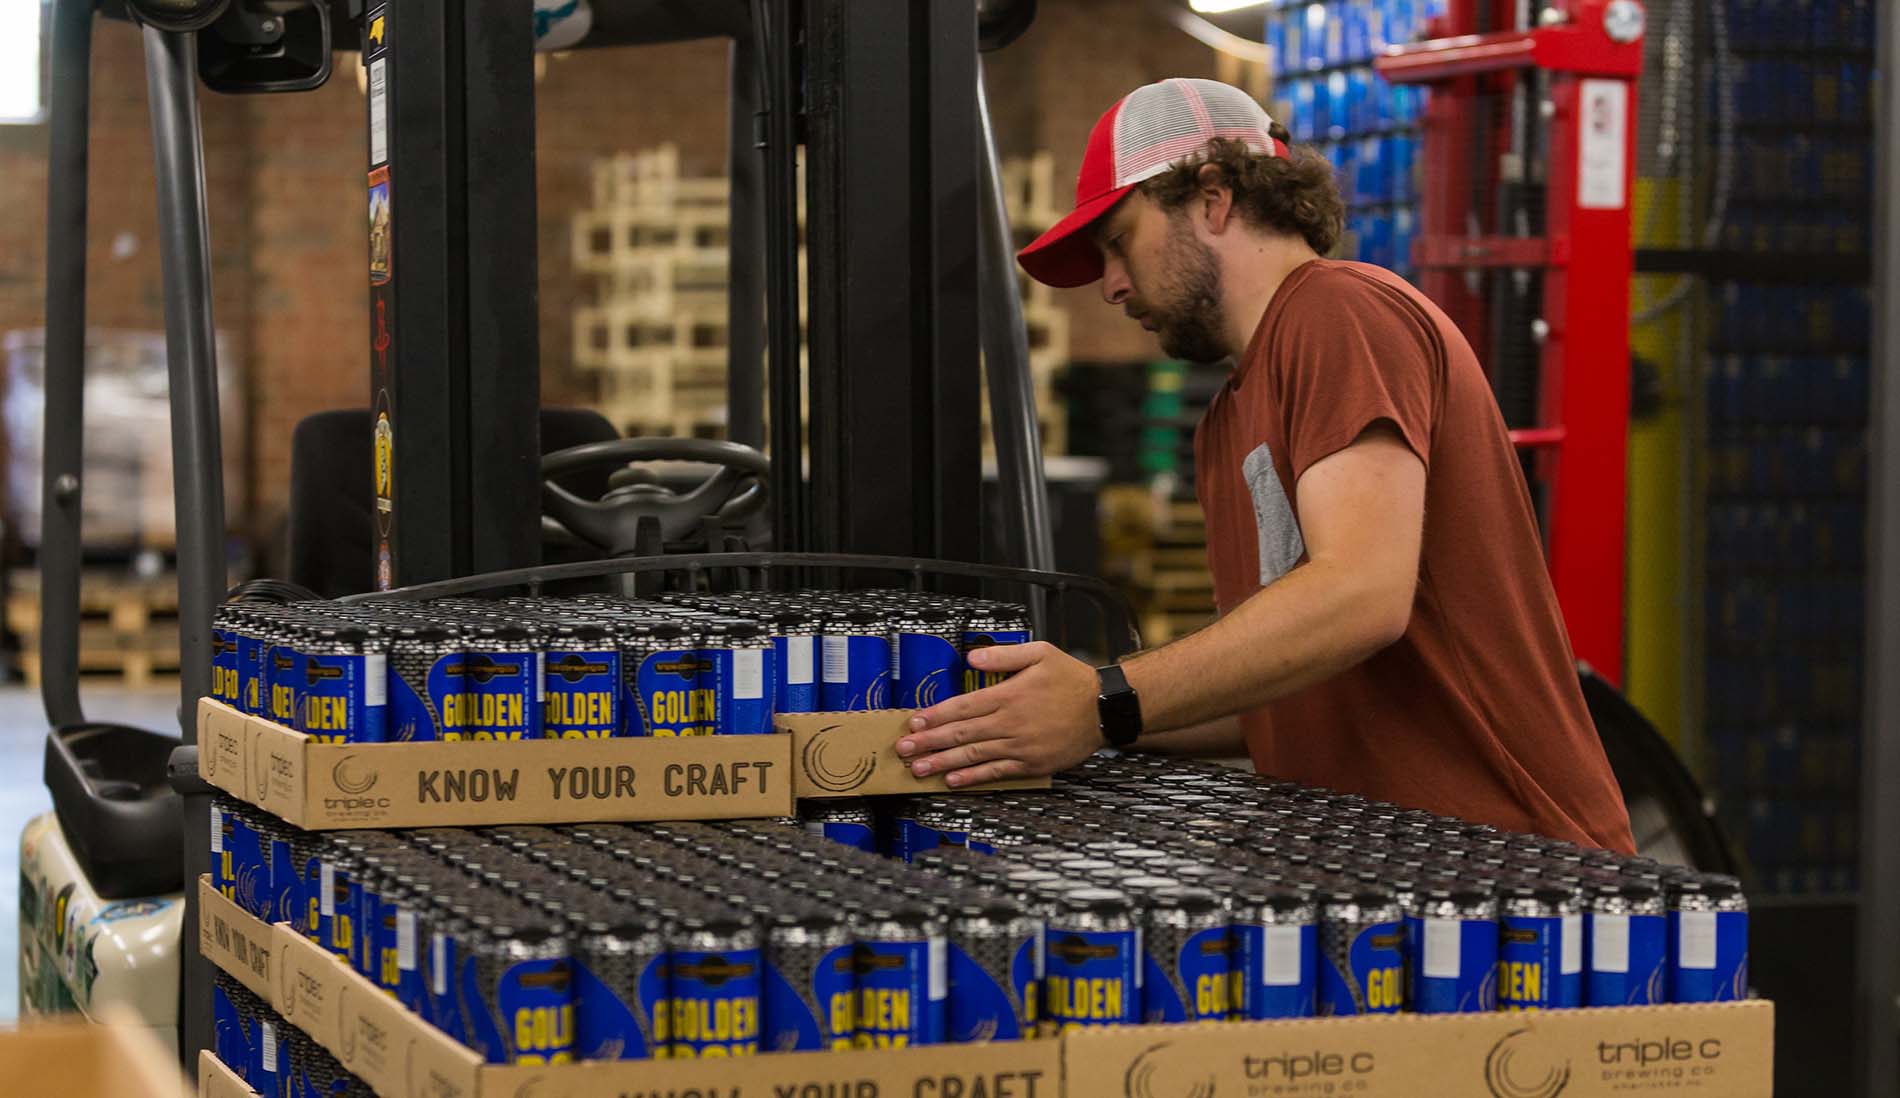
(1281, 545)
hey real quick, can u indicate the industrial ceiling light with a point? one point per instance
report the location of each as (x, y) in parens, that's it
(1215, 7)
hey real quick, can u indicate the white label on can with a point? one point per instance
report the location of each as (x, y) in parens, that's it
(439, 964)
(837, 659)
(1603, 129)
(748, 674)
(816, 827)
(1042, 951)
(406, 940)
(1141, 961)
(217, 830)
(939, 969)
(1609, 943)
(1444, 948)
(326, 889)
(1282, 965)
(541, 676)
(378, 111)
(798, 661)
(1573, 944)
(375, 679)
(270, 1047)
(1695, 941)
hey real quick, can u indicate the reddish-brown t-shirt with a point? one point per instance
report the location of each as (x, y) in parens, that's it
(1475, 711)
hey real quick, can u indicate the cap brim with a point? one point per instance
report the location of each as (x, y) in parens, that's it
(1065, 256)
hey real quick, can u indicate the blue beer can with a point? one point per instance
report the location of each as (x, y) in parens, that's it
(419, 684)
(345, 686)
(1091, 962)
(929, 663)
(1186, 961)
(581, 681)
(855, 662)
(1540, 933)
(1362, 953)
(809, 996)
(620, 987)
(903, 979)
(1708, 939)
(737, 655)
(795, 656)
(716, 980)
(496, 690)
(1453, 934)
(988, 627)
(995, 972)
(1276, 952)
(666, 694)
(1628, 930)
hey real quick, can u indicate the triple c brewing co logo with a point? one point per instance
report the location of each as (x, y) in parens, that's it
(829, 769)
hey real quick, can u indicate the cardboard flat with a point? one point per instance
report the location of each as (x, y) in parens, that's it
(118, 1055)
(321, 786)
(1724, 1050)
(855, 755)
(1717, 1050)
(236, 941)
(217, 1081)
(1014, 1069)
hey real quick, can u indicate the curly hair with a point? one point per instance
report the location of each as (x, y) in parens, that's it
(1294, 194)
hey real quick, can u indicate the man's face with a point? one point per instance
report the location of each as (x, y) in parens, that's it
(1155, 268)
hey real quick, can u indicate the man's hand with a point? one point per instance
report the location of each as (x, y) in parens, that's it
(1039, 720)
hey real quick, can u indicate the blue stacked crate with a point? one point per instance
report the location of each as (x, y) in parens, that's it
(1329, 97)
(1785, 469)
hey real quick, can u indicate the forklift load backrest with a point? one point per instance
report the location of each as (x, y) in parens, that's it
(332, 529)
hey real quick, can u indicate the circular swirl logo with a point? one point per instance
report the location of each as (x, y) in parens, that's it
(833, 770)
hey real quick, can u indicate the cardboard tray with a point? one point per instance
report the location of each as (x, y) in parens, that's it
(217, 1081)
(1716, 1051)
(319, 786)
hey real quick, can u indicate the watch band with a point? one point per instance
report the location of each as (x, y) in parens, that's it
(1117, 707)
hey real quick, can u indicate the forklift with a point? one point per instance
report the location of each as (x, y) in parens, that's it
(453, 477)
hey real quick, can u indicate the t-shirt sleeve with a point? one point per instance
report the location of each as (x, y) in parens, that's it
(1348, 354)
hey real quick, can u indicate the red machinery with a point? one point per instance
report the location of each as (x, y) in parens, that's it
(1567, 89)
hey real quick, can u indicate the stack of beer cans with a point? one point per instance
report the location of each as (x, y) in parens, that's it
(1136, 891)
(276, 1058)
(596, 666)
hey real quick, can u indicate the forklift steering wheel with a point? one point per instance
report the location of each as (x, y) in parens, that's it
(640, 516)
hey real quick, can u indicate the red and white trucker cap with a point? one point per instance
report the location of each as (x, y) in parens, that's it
(1152, 129)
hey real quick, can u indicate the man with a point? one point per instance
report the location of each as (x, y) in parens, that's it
(1387, 623)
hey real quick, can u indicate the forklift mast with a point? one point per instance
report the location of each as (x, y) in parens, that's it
(910, 285)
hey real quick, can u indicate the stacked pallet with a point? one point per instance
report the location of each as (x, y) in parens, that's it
(128, 628)
(1159, 545)
(654, 245)
(1029, 195)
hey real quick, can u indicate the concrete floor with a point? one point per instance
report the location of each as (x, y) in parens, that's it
(23, 796)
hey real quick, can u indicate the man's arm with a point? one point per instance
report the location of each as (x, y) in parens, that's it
(1362, 518)
(1216, 739)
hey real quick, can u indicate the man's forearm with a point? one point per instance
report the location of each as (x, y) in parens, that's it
(1310, 625)
(1215, 739)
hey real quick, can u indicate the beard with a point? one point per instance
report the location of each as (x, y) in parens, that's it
(1188, 319)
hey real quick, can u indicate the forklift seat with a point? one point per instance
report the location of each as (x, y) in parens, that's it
(332, 520)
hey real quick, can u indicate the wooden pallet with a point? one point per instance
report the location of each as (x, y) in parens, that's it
(1162, 626)
(128, 629)
(130, 668)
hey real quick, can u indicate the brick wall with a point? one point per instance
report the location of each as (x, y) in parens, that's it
(287, 223)
(1046, 91)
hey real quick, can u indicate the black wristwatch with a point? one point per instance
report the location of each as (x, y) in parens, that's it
(1118, 707)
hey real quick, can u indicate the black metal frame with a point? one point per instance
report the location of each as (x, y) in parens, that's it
(779, 571)
(454, 330)
(890, 169)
